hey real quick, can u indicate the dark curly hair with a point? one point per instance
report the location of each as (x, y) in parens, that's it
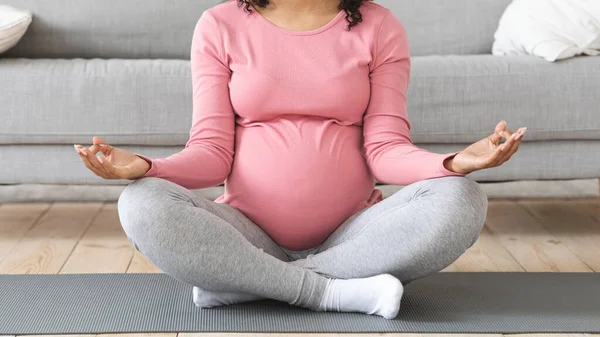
(353, 15)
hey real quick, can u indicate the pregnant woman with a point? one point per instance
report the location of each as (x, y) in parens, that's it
(299, 107)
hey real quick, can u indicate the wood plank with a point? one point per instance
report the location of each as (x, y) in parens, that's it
(94, 245)
(15, 221)
(451, 268)
(140, 264)
(487, 255)
(104, 247)
(45, 248)
(536, 249)
(590, 206)
(573, 223)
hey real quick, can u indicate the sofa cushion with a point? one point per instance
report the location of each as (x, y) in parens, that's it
(62, 101)
(448, 27)
(453, 99)
(110, 28)
(163, 28)
(461, 98)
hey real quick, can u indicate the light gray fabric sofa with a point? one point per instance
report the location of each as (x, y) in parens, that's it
(120, 70)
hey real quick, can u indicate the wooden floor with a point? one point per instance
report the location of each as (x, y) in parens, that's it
(520, 235)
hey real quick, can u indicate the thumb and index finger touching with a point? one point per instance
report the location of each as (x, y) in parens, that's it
(500, 132)
(99, 145)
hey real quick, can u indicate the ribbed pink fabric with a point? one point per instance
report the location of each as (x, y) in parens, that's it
(299, 123)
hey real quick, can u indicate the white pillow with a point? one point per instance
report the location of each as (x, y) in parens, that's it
(551, 29)
(13, 24)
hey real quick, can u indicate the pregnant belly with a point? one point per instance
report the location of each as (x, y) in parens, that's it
(299, 179)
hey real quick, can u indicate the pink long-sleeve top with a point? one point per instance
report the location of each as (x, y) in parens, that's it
(299, 124)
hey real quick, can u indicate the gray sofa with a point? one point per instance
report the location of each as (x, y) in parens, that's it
(120, 70)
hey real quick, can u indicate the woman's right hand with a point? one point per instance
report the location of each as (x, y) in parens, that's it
(115, 164)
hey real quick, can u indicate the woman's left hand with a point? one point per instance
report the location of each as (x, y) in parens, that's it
(487, 152)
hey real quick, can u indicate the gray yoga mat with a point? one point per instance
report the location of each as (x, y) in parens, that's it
(444, 302)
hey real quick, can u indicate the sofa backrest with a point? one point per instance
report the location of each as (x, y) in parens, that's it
(132, 29)
(448, 27)
(163, 28)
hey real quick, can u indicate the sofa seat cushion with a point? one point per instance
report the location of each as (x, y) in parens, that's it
(452, 99)
(462, 98)
(66, 101)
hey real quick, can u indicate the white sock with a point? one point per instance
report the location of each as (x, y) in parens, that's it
(208, 299)
(379, 295)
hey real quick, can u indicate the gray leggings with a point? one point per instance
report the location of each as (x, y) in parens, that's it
(419, 230)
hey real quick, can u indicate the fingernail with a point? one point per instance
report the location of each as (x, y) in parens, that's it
(75, 146)
(518, 136)
(101, 160)
(501, 147)
(524, 129)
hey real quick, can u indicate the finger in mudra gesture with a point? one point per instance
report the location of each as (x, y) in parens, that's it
(115, 163)
(488, 152)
